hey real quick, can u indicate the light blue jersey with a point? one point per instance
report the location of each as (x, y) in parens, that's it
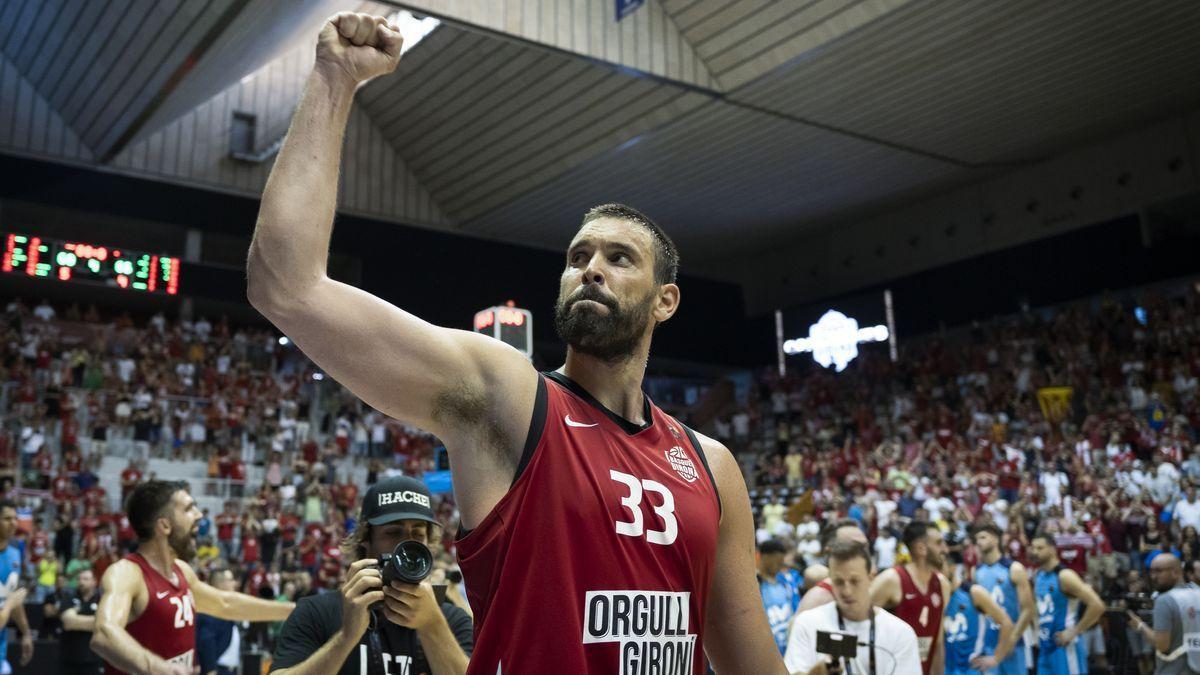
(10, 580)
(996, 579)
(965, 632)
(1057, 612)
(780, 601)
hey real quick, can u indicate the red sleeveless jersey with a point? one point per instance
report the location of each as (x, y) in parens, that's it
(922, 611)
(599, 558)
(167, 627)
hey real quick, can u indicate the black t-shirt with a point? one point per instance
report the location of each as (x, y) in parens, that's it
(316, 619)
(76, 647)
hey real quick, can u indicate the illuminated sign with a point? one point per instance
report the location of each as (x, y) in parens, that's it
(833, 340)
(75, 261)
(511, 325)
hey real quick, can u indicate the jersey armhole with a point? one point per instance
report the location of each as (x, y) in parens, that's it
(537, 424)
(704, 461)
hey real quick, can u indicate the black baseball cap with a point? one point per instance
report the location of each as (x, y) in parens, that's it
(397, 498)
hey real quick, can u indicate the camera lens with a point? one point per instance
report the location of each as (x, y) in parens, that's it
(410, 563)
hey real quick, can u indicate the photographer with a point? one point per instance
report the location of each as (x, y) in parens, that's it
(885, 644)
(367, 626)
(1176, 632)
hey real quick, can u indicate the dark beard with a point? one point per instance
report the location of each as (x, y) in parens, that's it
(610, 337)
(184, 545)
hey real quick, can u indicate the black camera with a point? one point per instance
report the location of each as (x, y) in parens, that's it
(409, 563)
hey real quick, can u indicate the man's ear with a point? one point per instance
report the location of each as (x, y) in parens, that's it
(668, 302)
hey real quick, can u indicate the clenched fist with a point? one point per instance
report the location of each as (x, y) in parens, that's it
(358, 46)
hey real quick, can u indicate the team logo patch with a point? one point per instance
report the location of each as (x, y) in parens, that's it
(935, 600)
(682, 464)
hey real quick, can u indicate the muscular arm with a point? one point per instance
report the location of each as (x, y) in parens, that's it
(1075, 587)
(885, 589)
(1028, 616)
(122, 583)
(231, 605)
(458, 385)
(738, 636)
(984, 603)
(71, 620)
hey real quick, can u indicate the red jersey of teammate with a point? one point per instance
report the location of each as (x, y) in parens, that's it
(617, 524)
(167, 626)
(922, 611)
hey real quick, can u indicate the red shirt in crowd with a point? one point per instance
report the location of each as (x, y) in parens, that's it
(250, 549)
(225, 524)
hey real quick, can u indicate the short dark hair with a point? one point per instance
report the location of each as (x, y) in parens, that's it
(829, 534)
(991, 528)
(914, 533)
(845, 551)
(7, 504)
(146, 503)
(666, 256)
(1043, 534)
(772, 546)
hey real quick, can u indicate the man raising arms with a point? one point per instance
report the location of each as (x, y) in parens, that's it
(656, 516)
(146, 619)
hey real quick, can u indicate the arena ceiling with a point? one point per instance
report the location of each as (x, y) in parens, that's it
(740, 124)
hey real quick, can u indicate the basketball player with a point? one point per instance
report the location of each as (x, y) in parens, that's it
(916, 591)
(585, 509)
(12, 596)
(1008, 584)
(146, 619)
(816, 577)
(1067, 608)
(969, 605)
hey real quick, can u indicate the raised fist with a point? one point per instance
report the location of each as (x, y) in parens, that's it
(358, 46)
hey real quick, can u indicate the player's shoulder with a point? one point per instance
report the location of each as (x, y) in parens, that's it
(720, 460)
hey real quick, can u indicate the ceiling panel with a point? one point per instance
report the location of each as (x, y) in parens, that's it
(986, 82)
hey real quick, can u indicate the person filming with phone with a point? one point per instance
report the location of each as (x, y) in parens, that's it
(386, 618)
(850, 635)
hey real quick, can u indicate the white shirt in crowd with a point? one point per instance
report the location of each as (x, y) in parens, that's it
(895, 642)
(1188, 513)
(938, 507)
(44, 312)
(1052, 484)
(885, 551)
(809, 549)
(999, 512)
(884, 509)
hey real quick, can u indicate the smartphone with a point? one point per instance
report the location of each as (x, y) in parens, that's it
(837, 645)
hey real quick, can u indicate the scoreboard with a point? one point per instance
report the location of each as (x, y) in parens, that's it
(511, 325)
(116, 267)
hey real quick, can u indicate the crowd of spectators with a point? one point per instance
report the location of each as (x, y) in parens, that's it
(961, 430)
(957, 431)
(80, 386)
